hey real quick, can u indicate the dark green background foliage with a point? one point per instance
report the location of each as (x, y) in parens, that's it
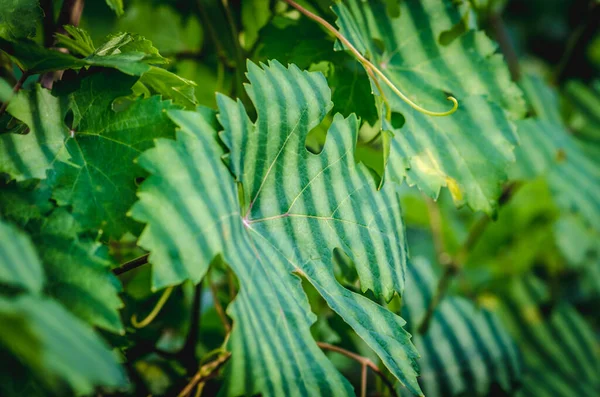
(219, 197)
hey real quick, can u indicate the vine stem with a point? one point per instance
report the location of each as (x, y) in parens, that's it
(452, 266)
(70, 14)
(132, 264)
(365, 363)
(370, 66)
(204, 373)
(217, 303)
(152, 315)
(15, 89)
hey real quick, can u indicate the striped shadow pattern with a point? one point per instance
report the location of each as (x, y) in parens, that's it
(19, 263)
(58, 347)
(585, 104)
(468, 151)
(548, 149)
(294, 207)
(560, 349)
(465, 350)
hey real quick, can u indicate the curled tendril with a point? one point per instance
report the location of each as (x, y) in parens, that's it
(152, 315)
(372, 70)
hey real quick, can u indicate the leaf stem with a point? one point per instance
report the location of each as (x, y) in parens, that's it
(152, 315)
(204, 373)
(217, 303)
(132, 264)
(370, 67)
(364, 362)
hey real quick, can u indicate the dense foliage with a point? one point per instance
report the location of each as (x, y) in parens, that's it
(303, 198)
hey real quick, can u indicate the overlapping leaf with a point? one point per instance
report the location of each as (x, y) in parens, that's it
(58, 347)
(465, 350)
(467, 151)
(91, 163)
(296, 208)
(129, 53)
(547, 149)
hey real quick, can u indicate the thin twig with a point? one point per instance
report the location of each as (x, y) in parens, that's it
(16, 89)
(453, 265)
(132, 264)
(204, 373)
(364, 361)
(187, 354)
(70, 14)
(217, 303)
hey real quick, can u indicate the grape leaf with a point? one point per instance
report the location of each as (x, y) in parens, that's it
(56, 345)
(78, 272)
(560, 349)
(82, 176)
(19, 18)
(296, 208)
(19, 264)
(548, 149)
(465, 349)
(129, 53)
(116, 6)
(29, 156)
(467, 151)
(100, 190)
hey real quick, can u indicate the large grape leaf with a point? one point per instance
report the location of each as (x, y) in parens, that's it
(57, 346)
(548, 149)
(92, 161)
(296, 208)
(465, 350)
(467, 151)
(560, 349)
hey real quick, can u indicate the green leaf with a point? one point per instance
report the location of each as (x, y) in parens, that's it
(99, 179)
(19, 18)
(468, 151)
(116, 6)
(296, 208)
(171, 30)
(560, 349)
(57, 346)
(548, 149)
(170, 85)
(31, 155)
(255, 15)
(19, 264)
(465, 349)
(79, 42)
(585, 102)
(92, 163)
(79, 272)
